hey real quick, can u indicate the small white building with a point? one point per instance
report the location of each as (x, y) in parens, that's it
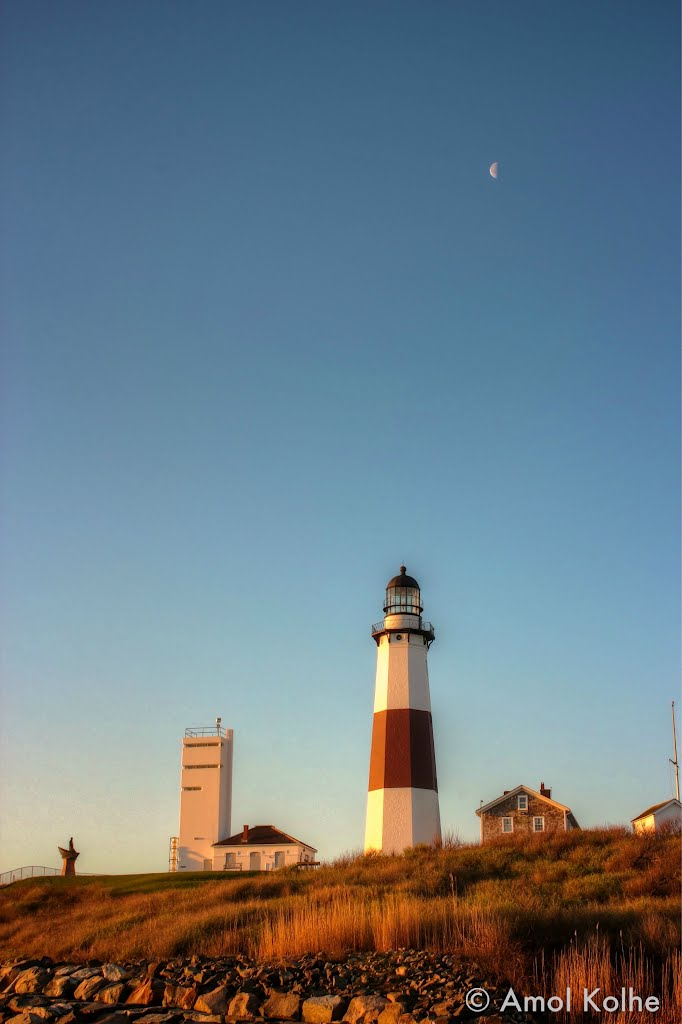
(261, 848)
(205, 796)
(659, 818)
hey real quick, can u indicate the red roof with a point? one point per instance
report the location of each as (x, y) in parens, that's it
(262, 835)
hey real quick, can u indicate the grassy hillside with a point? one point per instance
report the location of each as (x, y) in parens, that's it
(502, 903)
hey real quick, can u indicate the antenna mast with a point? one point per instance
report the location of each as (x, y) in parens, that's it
(673, 759)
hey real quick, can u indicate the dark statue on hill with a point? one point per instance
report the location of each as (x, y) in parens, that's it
(69, 858)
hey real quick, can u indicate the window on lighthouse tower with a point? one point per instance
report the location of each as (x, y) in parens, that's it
(402, 595)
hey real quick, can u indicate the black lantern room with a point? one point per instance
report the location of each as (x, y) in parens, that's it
(402, 595)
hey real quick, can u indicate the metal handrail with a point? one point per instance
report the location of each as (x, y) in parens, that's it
(33, 871)
(209, 730)
(379, 627)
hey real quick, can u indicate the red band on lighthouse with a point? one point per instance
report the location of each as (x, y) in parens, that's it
(402, 750)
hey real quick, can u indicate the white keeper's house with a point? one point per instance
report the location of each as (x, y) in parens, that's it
(261, 848)
(663, 817)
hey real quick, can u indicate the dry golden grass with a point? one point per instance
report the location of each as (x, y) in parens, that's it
(597, 964)
(516, 907)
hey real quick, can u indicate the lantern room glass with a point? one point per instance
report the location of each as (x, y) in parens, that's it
(403, 601)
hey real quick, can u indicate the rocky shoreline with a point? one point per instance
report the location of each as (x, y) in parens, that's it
(401, 987)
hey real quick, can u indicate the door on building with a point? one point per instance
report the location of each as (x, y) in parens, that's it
(230, 861)
(254, 862)
(208, 865)
(279, 859)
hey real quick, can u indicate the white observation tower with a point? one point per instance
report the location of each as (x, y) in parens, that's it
(402, 803)
(205, 796)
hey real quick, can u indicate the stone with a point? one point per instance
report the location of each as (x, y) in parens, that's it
(366, 1009)
(282, 1006)
(114, 1018)
(321, 1009)
(112, 993)
(10, 974)
(87, 988)
(186, 996)
(34, 979)
(113, 972)
(214, 1001)
(92, 1011)
(19, 1005)
(402, 970)
(26, 1001)
(391, 1014)
(169, 991)
(25, 1018)
(148, 993)
(60, 986)
(85, 972)
(244, 1006)
(159, 1018)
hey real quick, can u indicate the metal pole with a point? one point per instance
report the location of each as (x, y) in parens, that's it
(674, 762)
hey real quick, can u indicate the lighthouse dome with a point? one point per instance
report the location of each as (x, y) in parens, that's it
(402, 595)
(403, 580)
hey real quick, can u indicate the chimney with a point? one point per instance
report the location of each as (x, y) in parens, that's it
(545, 792)
(245, 834)
(506, 791)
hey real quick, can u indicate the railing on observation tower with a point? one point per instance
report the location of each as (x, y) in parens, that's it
(209, 730)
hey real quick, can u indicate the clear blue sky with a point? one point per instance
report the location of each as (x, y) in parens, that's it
(270, 328)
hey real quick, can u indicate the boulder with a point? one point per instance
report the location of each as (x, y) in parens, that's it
(9, 974)
(282, 1006)
(322, 1009)
(185, 996)
(391, 1014)
(112, 993)
(160, 1018)
(148, 993)
(26, 1001)
(214, 1001)
(244, 1006)
(87, 988)
(37, 1010)
(33, 979)
(25, 1018)
(60, 986)
(365, 1009)
(85, 972)
(60, 1009)
(113, 972)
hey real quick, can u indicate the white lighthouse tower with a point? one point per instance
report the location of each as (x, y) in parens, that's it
(402, 803)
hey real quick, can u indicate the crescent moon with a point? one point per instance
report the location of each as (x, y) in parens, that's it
(493, 169)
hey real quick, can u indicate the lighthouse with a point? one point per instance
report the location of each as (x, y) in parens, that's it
(402, 802)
